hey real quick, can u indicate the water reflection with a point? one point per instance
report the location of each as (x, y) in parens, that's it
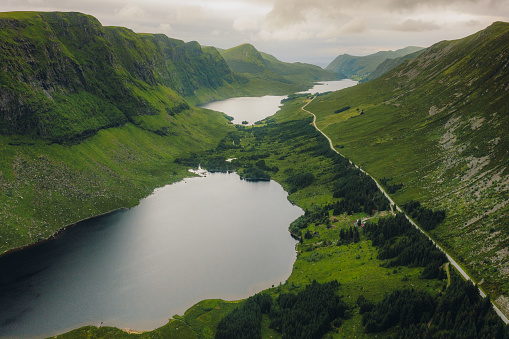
(212, 237)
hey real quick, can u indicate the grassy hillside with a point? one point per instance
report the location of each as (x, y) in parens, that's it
(92, 118)
(264, 70)
(358, 67)
(66, 76)
(45, 186)
(438, 125)
(390, 64)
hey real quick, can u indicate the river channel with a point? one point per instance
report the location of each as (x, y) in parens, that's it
(205, 237)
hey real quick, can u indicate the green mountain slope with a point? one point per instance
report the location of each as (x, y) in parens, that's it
(390, 64)
(66, 76)
(361, 66)
(264, 68)
(92, 118)
(438, 124)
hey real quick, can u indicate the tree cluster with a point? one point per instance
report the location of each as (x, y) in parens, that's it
(349, 235)
(358, 190)
(309, 313)
(299, 181)
(342, 109)
(404, 307)
(459, 312)
(245, 321)
(403, 245)
(427, 218)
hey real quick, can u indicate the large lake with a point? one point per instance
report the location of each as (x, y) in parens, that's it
(206, 237)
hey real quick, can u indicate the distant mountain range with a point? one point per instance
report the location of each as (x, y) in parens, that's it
(438, 124)
(359, 67)
(248, 61)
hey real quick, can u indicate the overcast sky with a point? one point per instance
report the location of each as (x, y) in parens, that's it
(292, 30)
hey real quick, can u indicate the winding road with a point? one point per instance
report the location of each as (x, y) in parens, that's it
(451, 260)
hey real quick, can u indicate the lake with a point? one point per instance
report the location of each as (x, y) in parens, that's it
(250, 109)
(202, 238)
(253, 109)
(331, 86)
(205, 237)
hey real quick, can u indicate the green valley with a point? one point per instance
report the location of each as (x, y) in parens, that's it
(94, 118)
(366, 278)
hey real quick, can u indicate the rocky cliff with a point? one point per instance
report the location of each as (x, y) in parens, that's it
(65, 76)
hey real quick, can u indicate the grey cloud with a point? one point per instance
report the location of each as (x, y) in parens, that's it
(289, 12)
(412, 25)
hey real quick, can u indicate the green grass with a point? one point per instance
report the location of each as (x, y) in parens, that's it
(438, 124)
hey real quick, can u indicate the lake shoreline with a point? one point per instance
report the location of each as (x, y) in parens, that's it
(61, 230)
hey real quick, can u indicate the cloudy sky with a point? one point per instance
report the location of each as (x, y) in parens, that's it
(292, 30)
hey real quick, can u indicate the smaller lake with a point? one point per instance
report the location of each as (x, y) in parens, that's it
(250, 109)
(253, 109)
(331, 86)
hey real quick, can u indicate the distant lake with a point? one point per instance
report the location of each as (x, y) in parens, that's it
(253, 109)
(331, 86)
(201, 238)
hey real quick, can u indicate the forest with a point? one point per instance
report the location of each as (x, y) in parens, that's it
(458, 312)
(401, 244)
(317, 308)
(427, 218)
(311, 313)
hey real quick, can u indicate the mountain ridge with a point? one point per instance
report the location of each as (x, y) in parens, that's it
(246, 60)
(361, 66)
(438, 125)
(66, 75)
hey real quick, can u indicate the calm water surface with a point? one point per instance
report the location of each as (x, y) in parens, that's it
(250, 109)
(253, 109)
(210, 237)
(331, 86)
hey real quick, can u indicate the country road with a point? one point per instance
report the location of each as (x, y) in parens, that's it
(451, 260)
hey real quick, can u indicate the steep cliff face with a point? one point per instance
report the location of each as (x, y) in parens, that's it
(65, 76)
(192, 67)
